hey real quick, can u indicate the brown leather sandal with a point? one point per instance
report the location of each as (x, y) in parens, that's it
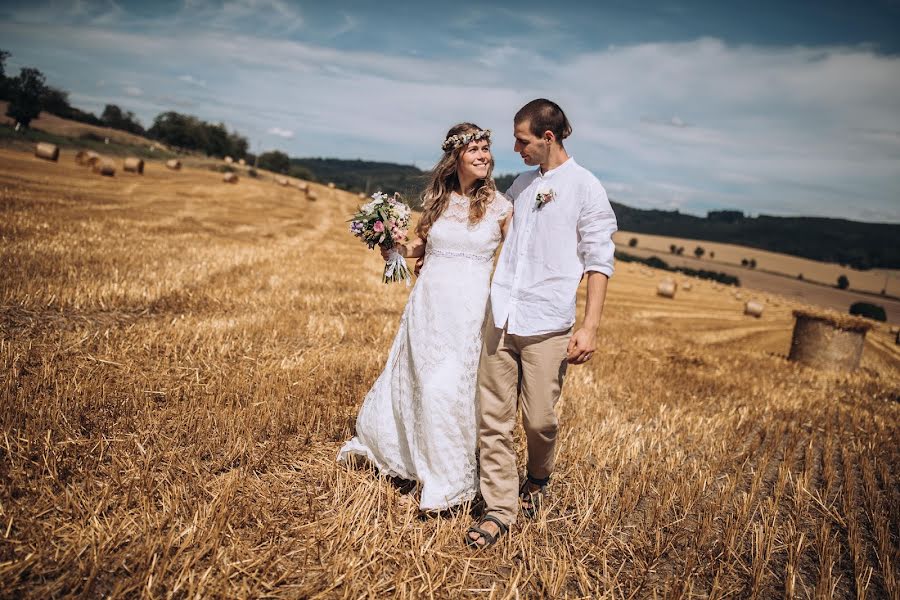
(534, 498)
(489, 540)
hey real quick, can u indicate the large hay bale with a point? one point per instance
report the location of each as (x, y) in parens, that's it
(302, 186)
(753, 308)
(229, 160)
(242, 162)
(828, 340)
(311, 196)
(134, 165)
(47, 151)
(230, 178)
(281, 180)
(686, 286)
(173, 164)
(330, 185)
(86, 158)
(103, 166)
(666, 288)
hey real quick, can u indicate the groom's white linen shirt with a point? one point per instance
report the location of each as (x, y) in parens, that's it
(549, 248)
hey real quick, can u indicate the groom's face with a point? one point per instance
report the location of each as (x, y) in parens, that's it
(534, 150)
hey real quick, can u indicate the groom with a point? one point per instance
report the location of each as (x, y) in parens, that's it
(561, 230)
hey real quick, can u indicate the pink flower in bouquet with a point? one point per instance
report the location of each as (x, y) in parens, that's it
(378, 227)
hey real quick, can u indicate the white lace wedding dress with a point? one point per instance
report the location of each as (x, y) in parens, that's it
(418, 421)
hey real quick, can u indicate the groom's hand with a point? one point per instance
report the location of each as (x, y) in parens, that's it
(582, 346)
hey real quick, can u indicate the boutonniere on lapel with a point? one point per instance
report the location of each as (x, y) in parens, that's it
(545, 196)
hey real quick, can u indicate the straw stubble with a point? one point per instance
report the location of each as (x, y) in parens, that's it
(182, 361)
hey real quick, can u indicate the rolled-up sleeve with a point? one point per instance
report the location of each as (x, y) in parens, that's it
(596, 226)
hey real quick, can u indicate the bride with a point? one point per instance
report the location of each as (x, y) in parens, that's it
(418, 421)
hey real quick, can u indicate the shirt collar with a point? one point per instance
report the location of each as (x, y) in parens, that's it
(569, 162)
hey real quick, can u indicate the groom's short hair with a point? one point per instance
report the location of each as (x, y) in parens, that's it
(545, 115)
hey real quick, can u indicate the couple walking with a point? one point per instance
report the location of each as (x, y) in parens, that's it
(471, 350)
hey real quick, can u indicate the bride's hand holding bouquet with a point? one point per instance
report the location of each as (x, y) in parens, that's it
(384, 222)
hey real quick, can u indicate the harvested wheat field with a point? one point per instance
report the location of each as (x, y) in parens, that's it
(182, 358)
(872, 281)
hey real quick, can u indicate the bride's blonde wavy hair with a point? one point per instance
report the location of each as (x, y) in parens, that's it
(443, 180)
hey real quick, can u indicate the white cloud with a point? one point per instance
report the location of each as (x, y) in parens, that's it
(692, 124)
(348, 23)
(133, 90)
(192, 80)
(285, 133)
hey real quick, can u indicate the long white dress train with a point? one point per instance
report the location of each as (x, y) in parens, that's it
(418, 420)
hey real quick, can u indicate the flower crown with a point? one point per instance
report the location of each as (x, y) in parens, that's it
(456, 141)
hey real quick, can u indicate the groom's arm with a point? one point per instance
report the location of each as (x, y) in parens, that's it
(596, 225)
(583, 342)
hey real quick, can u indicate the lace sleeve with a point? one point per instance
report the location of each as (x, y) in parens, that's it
(501, 206)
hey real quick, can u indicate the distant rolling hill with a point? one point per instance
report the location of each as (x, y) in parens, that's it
(853, 243)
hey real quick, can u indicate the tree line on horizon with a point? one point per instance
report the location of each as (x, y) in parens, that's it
(852, 243)
(28, 94)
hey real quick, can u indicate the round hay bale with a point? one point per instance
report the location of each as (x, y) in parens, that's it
(311, 196)
(281, 180)
(47, 151)
(229, 160)
(134, 165)
(753, 308)
(828, 340)
(302, 186)
(103, 166)
(666, 288)
(173, 164)
(230, 178)
(330, 185)
(362, 196)
(86, 158)
(242, 162)
(686, 286)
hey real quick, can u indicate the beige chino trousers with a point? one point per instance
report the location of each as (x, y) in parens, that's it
(517, 370)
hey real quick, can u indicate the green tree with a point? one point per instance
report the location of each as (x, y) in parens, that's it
(632, 243)
(114, 117)
(56, 101)
(867, 309)
(275, 161)
(26, 93)
(842, 282)
(673, 248)
(4, 82)
(301, 172)
(699, 252)
(752, 263)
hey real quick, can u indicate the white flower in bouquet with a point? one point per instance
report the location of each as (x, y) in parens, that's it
(384, 222)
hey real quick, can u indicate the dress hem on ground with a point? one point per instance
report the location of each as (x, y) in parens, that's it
(356, 448)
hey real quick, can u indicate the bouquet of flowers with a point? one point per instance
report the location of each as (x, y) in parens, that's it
(383, 222)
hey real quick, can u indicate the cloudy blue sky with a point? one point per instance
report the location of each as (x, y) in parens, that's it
(768, 107)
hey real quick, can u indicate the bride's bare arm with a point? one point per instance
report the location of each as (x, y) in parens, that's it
(414, 249)
(504, 226)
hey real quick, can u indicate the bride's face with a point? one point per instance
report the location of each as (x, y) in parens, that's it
(475, 161)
